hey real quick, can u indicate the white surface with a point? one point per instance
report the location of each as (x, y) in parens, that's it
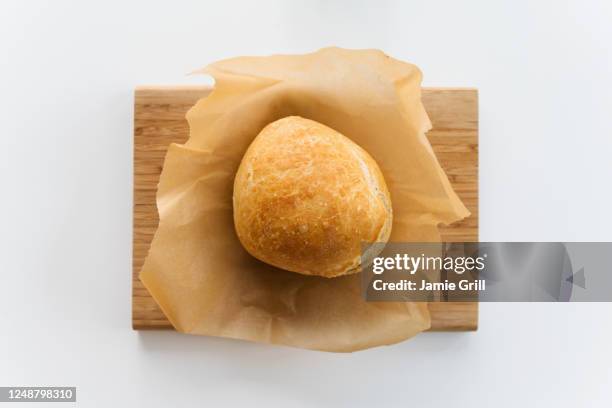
(67, 71)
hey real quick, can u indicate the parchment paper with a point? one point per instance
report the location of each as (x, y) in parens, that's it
(197, 270)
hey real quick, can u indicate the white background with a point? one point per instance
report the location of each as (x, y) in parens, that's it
(67, 74)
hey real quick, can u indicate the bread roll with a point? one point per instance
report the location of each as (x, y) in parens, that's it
(306, 197)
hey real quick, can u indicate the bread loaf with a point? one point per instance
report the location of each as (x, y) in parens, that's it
(306, 198)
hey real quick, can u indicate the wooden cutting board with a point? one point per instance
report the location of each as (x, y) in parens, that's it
(159, 119)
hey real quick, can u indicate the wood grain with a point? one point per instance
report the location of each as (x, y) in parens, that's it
(159, 119)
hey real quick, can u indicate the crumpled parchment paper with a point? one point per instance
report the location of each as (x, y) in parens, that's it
(197, 270)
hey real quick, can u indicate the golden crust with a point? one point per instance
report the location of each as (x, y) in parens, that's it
(306, 197)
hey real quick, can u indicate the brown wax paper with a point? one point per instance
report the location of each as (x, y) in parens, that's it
(197, 270)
